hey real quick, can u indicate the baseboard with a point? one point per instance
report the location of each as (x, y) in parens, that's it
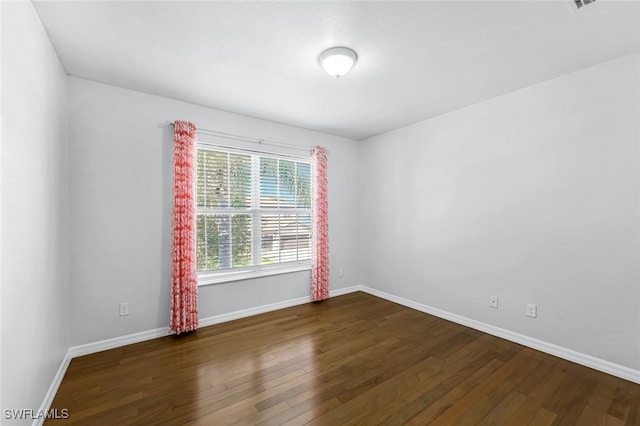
(550, 348)
(217, 319)
(230, 316)
(116, 342)
(345, 290)
(53, 388)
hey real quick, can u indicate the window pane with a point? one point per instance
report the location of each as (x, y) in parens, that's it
(200, 178)
(268, 182)
(304, 237)
(223, 241)
(303, 185)
(240, 180)
(270, 239)
(224, 185)
(288, 238)
(241, 240)
(287, 184)
(284, 184)
(207, 243)
(285, 238)
(212, 179)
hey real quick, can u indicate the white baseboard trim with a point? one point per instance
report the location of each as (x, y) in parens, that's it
(345, 290)
(116, 342)
(217, 319)
(550, 348)
(230, 316)
(53, 389)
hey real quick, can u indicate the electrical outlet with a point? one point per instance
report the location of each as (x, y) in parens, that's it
(493, 301)
(532, 310)
(124, 309)
(341, 272)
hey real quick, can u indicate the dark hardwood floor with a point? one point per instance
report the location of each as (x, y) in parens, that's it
(353, 359)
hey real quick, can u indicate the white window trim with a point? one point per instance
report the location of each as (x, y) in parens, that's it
(206, 278)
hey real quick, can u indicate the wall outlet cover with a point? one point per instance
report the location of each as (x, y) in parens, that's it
(493, 301)
(532, 310)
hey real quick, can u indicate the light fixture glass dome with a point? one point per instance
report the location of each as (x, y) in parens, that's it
(337, 61)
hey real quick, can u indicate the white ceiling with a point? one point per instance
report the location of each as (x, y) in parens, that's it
(416, 59)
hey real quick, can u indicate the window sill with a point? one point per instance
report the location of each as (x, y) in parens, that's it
(226, 277)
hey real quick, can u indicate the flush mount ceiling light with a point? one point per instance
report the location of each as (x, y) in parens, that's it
(580, 3)
(337, 61)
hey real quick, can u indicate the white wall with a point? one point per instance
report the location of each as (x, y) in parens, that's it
(120, 198)
(532, 196)
(35, 277)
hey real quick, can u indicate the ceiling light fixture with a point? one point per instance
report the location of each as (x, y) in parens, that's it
(337, 61)
(580, 3)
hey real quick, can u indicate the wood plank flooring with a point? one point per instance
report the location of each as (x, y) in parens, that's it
(353, 359)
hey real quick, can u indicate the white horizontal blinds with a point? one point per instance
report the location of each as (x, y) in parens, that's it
(303, 201)
(212, 180)
(284, 184)
(285, 238)
(223, 241)
(269, 183)
(269, 239)
(223, 187)
(304, 237)
(240, 181)
(303, 185)
(294, 234)
(238, 228)
(223, 180)
(285, 197)
(241, 240)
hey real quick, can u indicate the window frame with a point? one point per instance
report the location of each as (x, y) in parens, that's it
(210, 277)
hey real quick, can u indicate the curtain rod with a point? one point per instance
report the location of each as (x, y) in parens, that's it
(259, 141)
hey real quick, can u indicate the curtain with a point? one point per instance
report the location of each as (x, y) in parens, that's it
(184, 282)
(320, 226)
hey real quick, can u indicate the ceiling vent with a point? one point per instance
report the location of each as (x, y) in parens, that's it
(580, 3)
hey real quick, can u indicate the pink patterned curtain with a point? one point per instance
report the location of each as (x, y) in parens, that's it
(320, 226)
(184, 283)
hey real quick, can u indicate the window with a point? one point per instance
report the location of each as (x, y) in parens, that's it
(253, 214)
